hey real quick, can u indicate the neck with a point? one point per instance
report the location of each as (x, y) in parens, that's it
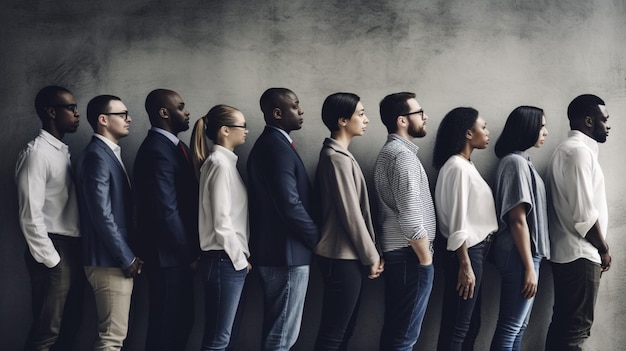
(108, 135)
(404, 134)
(55, 133)
(466, 152)
(342, 138)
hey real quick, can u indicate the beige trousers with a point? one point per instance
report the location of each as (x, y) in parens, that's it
(112, 291)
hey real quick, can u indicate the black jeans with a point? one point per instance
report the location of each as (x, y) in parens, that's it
(55, 322)
(460, 319)
(343, 281)
(575, 292)
(171, 307)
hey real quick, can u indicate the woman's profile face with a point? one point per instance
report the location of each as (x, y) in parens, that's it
(357, 123)
(479, 134)
(238, 131)
(543, 133)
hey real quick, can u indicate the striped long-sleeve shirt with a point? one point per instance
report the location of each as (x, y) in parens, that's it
(405, 206)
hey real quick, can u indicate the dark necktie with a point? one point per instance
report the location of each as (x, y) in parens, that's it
(184, 150)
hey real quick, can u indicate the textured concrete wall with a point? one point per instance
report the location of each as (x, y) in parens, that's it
(492, 55)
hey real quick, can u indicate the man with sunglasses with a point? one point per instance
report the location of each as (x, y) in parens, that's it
(407, 222)
(105, 204)
(48, 216)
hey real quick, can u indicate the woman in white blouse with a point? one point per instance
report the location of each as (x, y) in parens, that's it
(223, 221)
(466, 216)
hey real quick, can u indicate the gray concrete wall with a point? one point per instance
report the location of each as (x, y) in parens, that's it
(492, 55)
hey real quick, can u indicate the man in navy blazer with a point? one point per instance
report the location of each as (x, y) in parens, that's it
(167, 217)
(282, 232)
(105, 206)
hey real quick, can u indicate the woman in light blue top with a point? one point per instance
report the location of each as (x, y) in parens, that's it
(522, 239)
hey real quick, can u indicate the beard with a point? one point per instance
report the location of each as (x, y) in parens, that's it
(416, 132)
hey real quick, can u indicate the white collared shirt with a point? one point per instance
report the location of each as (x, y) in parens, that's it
(46, 195)
(223, 212)
(283, 133)
(575, 184)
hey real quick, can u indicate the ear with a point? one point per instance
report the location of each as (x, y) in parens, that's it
(469, 135)
(163, 113)
(342, 121)
(277, 113)
(401, 121)
(588, 122)
(102, 120)
(52, 113)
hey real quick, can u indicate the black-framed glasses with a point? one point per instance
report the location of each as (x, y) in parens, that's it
(419, 112)
(244, 126)
(70, 107)
(124, 114)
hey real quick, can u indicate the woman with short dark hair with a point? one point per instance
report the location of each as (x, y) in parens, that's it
(347, 239)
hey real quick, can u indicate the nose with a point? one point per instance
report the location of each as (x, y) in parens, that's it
(366, 120)
(300, 111)
(424, 117)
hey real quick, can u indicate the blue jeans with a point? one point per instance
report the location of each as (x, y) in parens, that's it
(285, 290)
(222, 291)
(460, 319)
(343, 281)
(514, 307)
(407, 290)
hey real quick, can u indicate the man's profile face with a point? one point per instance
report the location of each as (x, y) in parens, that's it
(65, 117)
(600, 129)
(291, 113)
(417, 119)
(177, 112)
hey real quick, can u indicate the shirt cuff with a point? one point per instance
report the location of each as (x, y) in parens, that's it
(456, 240)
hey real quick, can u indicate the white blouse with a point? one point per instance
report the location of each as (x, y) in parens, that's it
(464, 203)
(223, 211)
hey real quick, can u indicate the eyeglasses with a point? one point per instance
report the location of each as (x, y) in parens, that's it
(124, 114)
(71, 107)
(244, 126)
(420, 112)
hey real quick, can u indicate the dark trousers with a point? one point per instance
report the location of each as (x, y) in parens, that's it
(171, 308)
(408, 285)
(575, 291)
(460, 319)
(343, 282)
(57, 297)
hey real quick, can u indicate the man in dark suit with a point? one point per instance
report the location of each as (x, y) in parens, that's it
(167, 216)
(105, 206)
(282, 233)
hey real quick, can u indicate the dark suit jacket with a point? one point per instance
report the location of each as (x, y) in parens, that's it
(105, 205)
(282, 232)
(166, 192)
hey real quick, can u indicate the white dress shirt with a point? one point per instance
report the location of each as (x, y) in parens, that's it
(223, 212)
(46, 195)
(465, 207)
(576, 189)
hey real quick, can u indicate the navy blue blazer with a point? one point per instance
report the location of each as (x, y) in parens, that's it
(282, 232)
(166, 193)
(105, 206)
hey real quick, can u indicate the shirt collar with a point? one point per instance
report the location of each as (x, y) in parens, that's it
(334, 144)
(173, 138)
(414, 148)
(585, 139)
(283, 132)
(113, 146)
(50, 139)
(224, 151)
